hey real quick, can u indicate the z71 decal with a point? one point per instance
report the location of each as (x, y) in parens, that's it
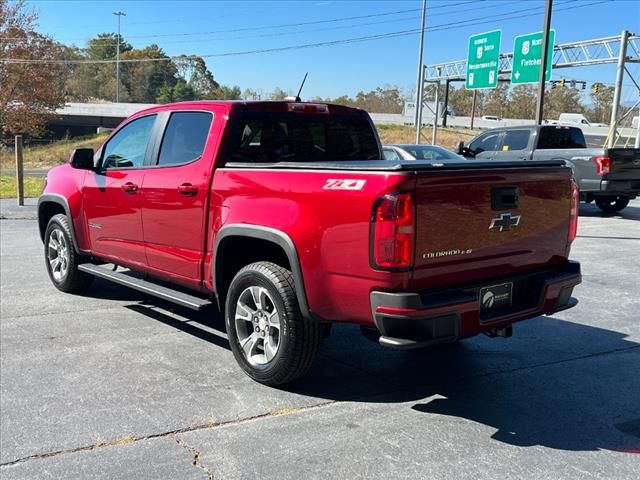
(344, 184)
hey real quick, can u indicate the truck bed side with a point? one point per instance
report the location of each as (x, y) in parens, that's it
(330, 226)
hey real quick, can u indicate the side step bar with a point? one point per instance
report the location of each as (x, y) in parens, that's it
(165, 293)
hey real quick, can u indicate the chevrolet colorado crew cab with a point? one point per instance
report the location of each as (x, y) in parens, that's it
(286, 216)
(610, 176)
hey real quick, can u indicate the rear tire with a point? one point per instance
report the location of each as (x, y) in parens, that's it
(270, 339)
(612, 204)
(61, 258)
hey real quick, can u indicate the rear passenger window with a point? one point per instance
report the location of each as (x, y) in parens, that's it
(485, 143)
(561, 138)
(285, 137)
(515, 140)
(185, 137)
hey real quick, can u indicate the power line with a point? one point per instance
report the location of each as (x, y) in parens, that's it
(267, 27)
(297, 24)
(433, 28)
(270, 9)
(301, 24)
(109, 41)
(401, 33)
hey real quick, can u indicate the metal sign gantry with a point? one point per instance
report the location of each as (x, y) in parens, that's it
(620, 49)
(576, 54)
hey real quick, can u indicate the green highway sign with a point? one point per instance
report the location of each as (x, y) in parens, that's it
(527, 50)
(483, 60)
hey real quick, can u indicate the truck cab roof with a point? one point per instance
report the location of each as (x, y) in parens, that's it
(535, 127)
(258, 106)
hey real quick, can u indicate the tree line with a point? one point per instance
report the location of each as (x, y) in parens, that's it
(157, 79)
(519, 101)
(31, 91)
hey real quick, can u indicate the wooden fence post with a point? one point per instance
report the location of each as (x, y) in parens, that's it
(19, 170)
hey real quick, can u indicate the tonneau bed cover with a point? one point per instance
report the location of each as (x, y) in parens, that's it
(392, 165)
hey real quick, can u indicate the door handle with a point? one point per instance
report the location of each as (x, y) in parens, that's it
(130, 187)
(187, 190)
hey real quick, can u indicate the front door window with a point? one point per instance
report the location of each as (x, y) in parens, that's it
(127, 148)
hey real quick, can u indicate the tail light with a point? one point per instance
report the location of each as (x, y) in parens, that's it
(573, 213)
(393, 232)
(603, 163)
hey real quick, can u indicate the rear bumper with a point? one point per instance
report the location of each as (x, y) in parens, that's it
(629, 188)
(412, 320)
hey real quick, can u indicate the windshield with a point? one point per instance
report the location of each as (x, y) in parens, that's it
(292, 137)
(430, 152)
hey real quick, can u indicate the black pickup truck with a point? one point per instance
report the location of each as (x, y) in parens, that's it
(610, 176)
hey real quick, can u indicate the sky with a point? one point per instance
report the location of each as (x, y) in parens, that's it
(228, 27)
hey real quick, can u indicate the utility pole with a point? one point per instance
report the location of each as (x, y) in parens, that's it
(446, 102)
(434, 133)
(473, 107)
(420, 75)
(118, 14)
(617, 92)
(543, 61)
(637, 142)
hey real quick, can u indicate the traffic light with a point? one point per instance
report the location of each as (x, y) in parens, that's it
(584, 85)
(596, 87)
(553, 85)
(562, 82)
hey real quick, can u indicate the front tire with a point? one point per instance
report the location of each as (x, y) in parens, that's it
(612, 204)
(61, 258)
(270, 339)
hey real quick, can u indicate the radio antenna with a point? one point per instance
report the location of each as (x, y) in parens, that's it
(301, 85)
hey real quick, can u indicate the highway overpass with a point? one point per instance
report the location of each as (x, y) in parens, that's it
(85, 118)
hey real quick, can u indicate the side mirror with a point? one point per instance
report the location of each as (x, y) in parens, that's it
(466, 151)
(82, 158)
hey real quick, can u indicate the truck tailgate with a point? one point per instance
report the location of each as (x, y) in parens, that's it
(625, 164)
(479, 225)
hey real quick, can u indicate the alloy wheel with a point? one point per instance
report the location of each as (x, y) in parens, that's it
(257, 323)
(58, 255)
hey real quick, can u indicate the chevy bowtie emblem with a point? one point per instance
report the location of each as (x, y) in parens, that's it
(504, 222)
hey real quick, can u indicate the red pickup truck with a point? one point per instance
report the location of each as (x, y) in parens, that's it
(286, 216)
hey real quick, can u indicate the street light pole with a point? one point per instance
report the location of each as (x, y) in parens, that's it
(543, 61)
(420, 74)
(118, 14)
(618, 90)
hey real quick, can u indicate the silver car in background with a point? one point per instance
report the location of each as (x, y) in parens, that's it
(430, 153)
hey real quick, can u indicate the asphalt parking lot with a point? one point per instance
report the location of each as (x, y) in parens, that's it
(118, 385)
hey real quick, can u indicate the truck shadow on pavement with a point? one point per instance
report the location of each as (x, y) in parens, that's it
(556, 383)
(559, 384)
(581, 413)
(591, 210)
(208, 329)
(207, 325)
